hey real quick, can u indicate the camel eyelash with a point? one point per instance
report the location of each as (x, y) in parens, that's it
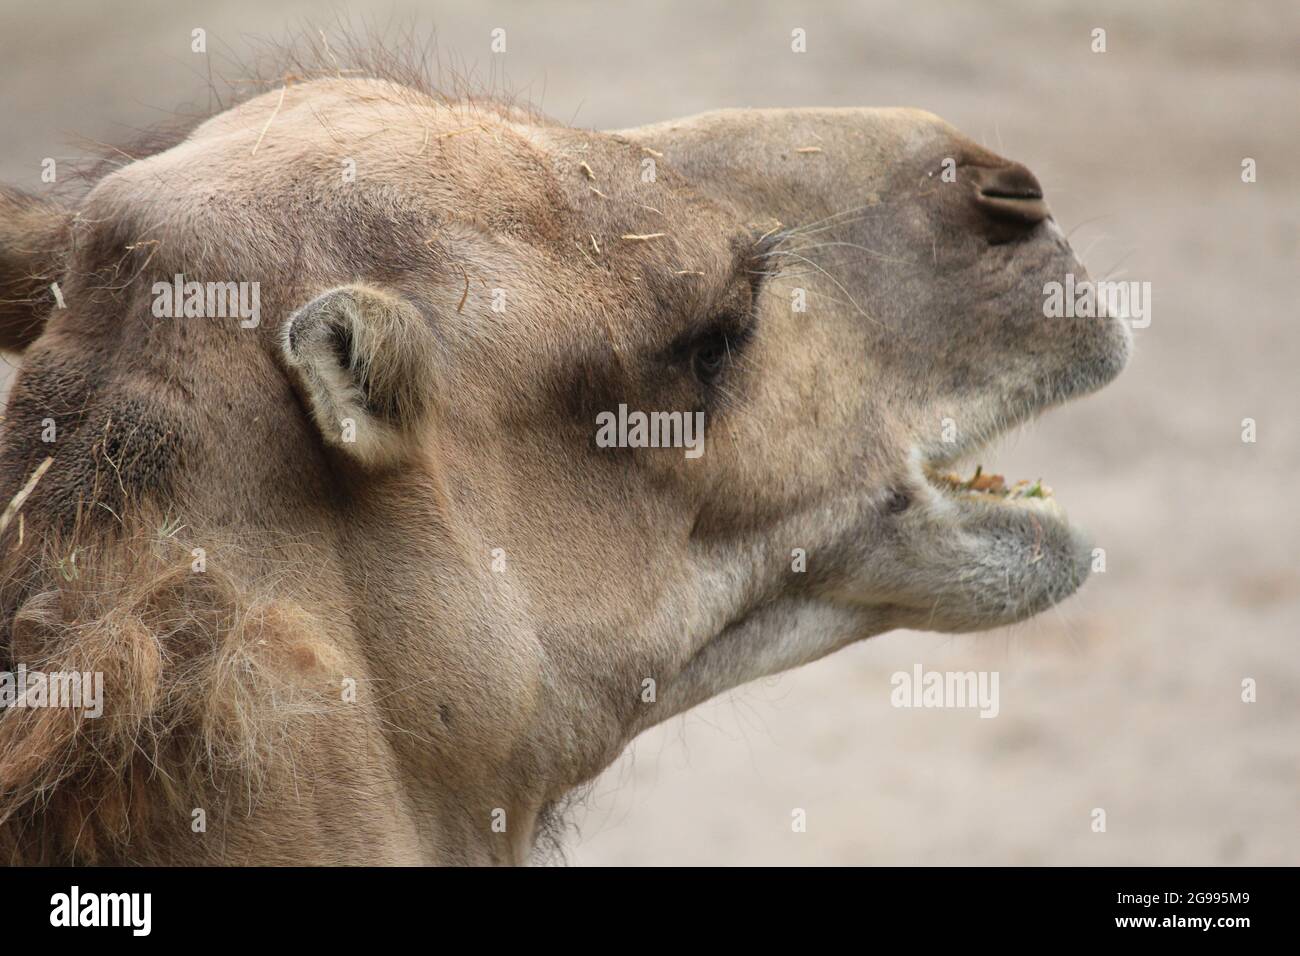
(761, 263)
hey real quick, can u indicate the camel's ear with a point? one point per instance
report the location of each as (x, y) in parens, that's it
(33, 242)
(364, 359)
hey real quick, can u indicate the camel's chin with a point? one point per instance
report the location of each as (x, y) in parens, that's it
(979, 553)
(1011, 556)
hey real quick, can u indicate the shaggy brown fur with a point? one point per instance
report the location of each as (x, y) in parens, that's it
(29, 268)
(196, 665)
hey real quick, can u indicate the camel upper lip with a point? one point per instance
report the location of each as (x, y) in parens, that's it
(972, 446)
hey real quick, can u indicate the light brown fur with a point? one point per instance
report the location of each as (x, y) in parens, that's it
(495, 586)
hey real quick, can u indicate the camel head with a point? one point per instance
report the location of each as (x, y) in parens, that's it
(409, 457)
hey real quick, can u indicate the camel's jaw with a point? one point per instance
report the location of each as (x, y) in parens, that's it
(992, 551)
(1004, 550)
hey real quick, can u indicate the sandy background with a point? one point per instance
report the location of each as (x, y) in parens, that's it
(1128, 696)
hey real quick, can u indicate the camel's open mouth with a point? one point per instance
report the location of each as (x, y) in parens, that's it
(993, 490)
(984, 551)
(988, 486)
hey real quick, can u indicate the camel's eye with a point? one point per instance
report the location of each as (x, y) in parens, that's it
(718, 349)
(710, 358)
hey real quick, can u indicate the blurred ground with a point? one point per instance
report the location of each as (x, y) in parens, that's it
(1128, 696)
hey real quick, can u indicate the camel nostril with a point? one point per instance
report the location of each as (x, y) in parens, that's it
(1012, 181)
(1010, 198)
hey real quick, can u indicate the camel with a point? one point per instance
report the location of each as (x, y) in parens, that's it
(361, 582)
